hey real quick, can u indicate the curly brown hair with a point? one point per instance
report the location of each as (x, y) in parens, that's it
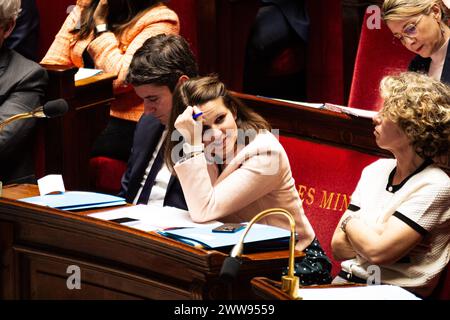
(420, 106)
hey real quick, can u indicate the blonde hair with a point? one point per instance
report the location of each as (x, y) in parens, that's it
(402, 9)
(420, 106)
(9, 11)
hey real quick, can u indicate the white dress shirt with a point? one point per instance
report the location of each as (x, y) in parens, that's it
(161, 181)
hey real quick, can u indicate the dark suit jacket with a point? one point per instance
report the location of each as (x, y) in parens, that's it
(22, 85)
(25, 36)
(419, 64)
(146, 138)
(295, 13)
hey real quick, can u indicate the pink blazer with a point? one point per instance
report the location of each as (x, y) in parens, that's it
(258, 178)
(112, 54)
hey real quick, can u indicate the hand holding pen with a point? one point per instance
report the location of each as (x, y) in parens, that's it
(190, 125)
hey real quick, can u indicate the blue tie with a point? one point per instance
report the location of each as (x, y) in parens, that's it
(157, 164)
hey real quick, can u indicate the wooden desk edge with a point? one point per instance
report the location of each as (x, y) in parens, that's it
(11, 194)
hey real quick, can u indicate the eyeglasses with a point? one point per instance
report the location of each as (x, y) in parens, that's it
(409, 31)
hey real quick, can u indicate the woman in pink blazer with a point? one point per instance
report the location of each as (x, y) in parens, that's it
(233, 167)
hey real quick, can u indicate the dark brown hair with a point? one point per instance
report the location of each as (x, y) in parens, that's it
(162, 60)
(199, 91)
(121, 14)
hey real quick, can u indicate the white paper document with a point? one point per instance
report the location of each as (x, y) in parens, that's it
(84, 73)
(52, 183)
(381, 292)
(333, 107)
(150, 218)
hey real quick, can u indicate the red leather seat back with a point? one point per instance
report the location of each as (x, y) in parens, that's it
(105, 174)
(290, 60)
(378, 55)
(325, 177)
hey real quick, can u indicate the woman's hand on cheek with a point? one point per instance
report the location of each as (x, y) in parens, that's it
(101, 12)
(190, 129)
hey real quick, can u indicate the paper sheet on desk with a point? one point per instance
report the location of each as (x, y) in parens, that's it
(153, 217)
(381, 292)
(334, 107)
(84, 73)
(75, 200)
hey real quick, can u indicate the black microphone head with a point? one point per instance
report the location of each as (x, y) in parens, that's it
(55, 108)
(230, 268)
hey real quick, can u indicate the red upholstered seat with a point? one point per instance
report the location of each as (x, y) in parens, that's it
(325, 177)
(290, 60)
(378, 55)
(106, 173)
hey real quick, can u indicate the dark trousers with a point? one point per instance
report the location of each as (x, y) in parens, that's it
(270, 34)
(116, 140)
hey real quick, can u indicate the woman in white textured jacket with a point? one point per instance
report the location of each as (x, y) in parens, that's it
(397, 227)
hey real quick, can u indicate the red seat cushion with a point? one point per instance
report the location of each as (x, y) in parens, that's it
(378, 55)
(325, 177)
(289, 61)
(106, 174)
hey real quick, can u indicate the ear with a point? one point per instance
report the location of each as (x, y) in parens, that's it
(436, 11)
(182, 79)
(9, 28)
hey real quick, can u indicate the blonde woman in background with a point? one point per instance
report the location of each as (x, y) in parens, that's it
(421, 26)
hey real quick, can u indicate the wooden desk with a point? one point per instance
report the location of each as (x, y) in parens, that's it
(268, 289)
(38, 244)
(68, 140)
(322, 126)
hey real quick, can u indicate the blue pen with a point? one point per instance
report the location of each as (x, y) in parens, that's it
(196, 115)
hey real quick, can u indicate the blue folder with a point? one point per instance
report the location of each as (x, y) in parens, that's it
(76, 200)
(260, 237)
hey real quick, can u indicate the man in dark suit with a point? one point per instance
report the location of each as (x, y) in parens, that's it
(278, 24)
(25, 36)
(22, 85)
(157, 67)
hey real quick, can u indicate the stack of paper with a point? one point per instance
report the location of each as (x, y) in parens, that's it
(373, 292)
(150, 218)
(76, 200)
(260, 236)
(84, 73)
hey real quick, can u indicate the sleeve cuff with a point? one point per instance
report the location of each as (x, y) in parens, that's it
(411, 223)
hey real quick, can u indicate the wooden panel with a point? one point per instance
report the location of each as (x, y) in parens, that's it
(48, 275)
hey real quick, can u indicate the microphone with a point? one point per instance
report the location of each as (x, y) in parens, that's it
(51, 109)
(231, 265)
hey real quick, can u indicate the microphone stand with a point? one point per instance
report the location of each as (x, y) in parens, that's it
(289, 282)
(37, 113)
